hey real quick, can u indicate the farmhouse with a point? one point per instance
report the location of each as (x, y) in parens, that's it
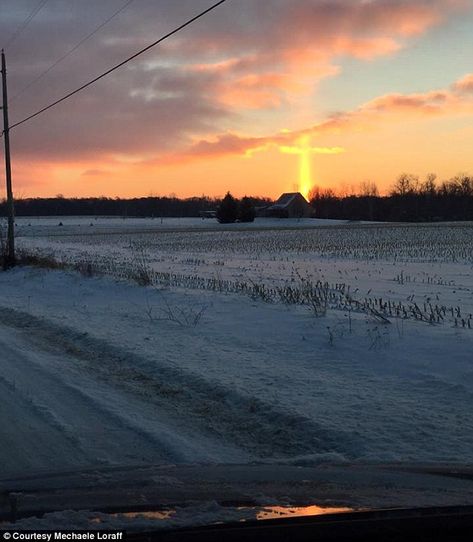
(290, 205)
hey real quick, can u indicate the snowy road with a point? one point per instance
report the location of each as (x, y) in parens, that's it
(51, 423)
(55, 416)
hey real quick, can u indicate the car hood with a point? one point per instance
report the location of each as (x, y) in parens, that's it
(248, 490)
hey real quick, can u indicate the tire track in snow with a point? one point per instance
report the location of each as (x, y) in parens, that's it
(248, 423)
(27, 440)
(78, 429)
(54, 418)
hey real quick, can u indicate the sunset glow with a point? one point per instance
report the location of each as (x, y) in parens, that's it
(254, 98)
(305, 151)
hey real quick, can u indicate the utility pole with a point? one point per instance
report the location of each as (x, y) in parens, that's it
(10, 256)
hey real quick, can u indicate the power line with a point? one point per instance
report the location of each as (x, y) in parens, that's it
(64, 56)
(104, 74)
(25, 23)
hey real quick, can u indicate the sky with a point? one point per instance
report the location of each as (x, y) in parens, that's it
(258, 97)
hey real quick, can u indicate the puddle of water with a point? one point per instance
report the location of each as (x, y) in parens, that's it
(261, 513)
(273, 512)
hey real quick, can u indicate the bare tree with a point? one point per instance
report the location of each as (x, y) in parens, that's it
(369, 189)
(428, 187)
(405, 185)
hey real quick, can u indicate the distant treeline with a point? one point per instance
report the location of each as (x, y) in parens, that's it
(136, 207)
(409, 200)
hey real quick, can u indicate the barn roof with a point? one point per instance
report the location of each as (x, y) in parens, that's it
(286, 199)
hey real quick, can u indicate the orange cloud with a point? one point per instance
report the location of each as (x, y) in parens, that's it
(256, 91)
(425, 104)
(366, 48)
(465, 84)
(286, 48)
(388, 108)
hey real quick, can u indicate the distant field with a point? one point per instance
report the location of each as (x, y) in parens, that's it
(420, 271)
(50, 225)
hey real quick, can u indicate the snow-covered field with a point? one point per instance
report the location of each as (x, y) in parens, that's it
(62, 225)
(291, 341)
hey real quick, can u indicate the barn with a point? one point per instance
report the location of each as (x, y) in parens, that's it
(290, 205)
